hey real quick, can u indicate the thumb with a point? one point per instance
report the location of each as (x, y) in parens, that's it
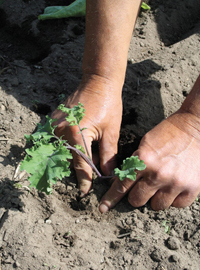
(108, 151)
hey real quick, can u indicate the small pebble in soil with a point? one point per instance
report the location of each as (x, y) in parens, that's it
(173, 258)
(16, 264)
(173, 243)
(48, 221)
(156, 255)
(161, 267)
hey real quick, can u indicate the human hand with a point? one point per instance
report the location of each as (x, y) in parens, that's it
(103, 111)
(171, 152)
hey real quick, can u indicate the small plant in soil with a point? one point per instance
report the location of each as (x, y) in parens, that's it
(167, 225)
(49, 158)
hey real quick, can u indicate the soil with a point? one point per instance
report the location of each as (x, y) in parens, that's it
(40, 65)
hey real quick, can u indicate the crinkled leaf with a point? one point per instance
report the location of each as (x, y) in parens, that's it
(46, 163)
(128, 168)
(45, 131)
(76, 9)
(74, 115)
(80, 147)
(145, 6)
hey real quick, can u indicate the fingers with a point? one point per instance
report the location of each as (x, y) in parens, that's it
(83, 173)
(117, 191)
(83, 170)
(141, 193)
(163, 199)
(184, 199)
(107, 153)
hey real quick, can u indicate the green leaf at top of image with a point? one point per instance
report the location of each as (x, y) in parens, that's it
(145, 6)
(128, 168)
(75, 9)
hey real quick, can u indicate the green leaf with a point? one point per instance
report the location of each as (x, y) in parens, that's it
(145, 6)
(76, 9)
(45, 163)
(46, 132)
(74, 115)
(128, 168)
(167, 225)
(80, 147)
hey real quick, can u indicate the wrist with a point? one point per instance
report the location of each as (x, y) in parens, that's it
(105, 75)
(192, 102)
(187, 118)
(187, 122)
(99, 84)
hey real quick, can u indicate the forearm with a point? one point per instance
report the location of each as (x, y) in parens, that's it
(192, 102)
(109, 27)
(187, 118)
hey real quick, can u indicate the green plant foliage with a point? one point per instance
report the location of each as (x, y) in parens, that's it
(167, 225)
(46, 162)
(80, 147)
(48, 159)
(76, 9)
(74, 115)
(46, 132)
(128, 168)
(145, 6)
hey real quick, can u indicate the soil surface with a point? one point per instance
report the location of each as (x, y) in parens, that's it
(40, 65)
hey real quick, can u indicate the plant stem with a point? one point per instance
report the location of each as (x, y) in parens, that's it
(87, 159)
(82, 137)
(84, 142)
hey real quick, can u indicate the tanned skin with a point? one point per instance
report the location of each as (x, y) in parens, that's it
(171, 151)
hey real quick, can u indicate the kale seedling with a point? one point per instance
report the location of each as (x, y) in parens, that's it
(49, 158)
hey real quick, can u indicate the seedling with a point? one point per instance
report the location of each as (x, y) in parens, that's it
(167, 225)
(49, 158)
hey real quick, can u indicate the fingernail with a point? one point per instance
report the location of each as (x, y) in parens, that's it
(103, 208)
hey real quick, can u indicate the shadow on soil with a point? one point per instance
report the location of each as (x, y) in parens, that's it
(41, 75)
(167, 14)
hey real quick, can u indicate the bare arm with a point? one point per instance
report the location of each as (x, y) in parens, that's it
(109, 26)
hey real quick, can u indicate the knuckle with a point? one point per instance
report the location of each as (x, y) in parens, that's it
(148, 156)
(177, 181)
(162, 173)
(134, 203)
(123, 186)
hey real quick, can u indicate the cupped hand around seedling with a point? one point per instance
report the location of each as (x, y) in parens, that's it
(171, 152)
(103, 112)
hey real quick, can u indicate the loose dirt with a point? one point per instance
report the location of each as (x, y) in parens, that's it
(40, 65)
